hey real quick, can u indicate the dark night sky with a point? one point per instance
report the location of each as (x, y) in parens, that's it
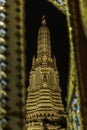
(57, 25)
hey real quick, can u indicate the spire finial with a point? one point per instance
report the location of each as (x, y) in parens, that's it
(43, 20)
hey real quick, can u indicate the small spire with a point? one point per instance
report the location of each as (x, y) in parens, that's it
(43, 20)
(54, 61)
(33, 62)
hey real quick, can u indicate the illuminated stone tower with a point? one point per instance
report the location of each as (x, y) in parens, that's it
(44, 108)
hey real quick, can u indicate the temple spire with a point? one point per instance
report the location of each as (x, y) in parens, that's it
(44, 108)
(44, 45)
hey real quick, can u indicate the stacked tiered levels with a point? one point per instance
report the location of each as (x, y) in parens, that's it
(44, 108)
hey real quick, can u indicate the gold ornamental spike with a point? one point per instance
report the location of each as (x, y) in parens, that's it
(43, 20)
(33, 62)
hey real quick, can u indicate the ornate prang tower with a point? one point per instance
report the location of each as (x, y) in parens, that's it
(44, 108)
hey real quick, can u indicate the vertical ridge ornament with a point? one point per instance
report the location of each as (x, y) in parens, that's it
(3, 67)
(33, 62)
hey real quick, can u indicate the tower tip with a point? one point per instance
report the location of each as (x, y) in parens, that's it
(43, 20)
